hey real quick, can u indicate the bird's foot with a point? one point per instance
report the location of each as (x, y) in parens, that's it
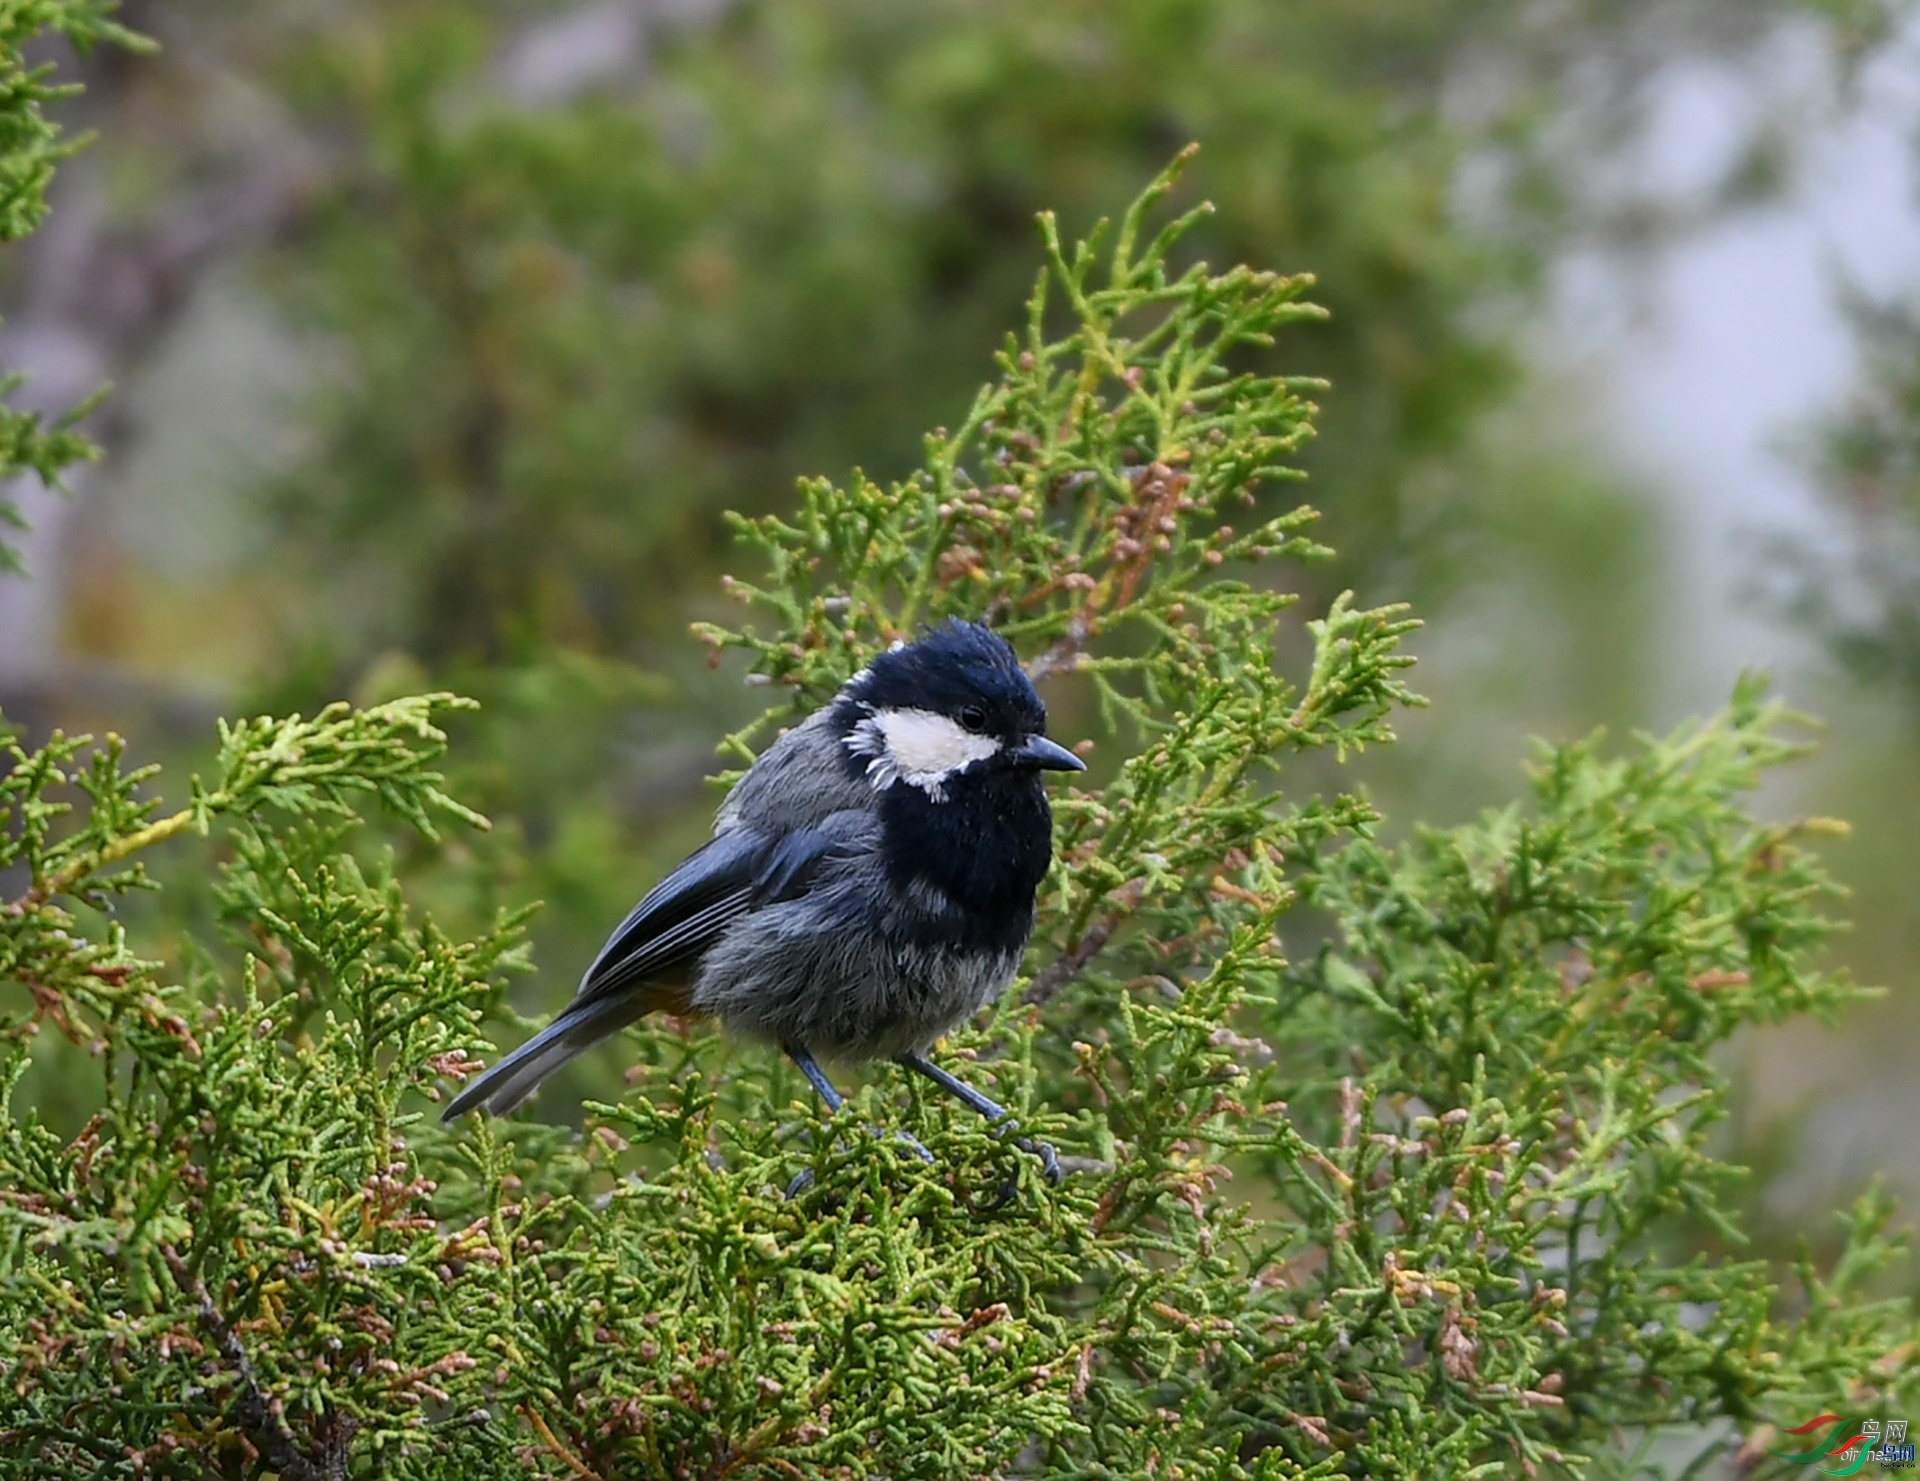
(1049, 1159)
(1010, 1189)
(803, 1179)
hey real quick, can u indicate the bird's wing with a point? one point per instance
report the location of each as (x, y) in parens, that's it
(739, 871)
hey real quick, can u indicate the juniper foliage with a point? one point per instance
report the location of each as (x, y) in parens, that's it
(31, 145)
(1383, 1159)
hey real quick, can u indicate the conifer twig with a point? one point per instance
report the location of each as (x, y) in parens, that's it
(259, 1419)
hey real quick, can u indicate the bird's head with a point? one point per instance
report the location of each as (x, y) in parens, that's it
(955, 701)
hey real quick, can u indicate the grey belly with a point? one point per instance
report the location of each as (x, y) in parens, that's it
(842, 991)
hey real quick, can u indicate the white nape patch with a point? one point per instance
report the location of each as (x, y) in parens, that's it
(919, 747)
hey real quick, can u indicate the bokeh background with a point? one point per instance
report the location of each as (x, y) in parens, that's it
(444, 331)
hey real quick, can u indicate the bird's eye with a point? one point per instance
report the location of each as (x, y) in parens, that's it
(974, 718)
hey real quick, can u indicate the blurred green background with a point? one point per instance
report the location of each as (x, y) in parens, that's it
(443, 333)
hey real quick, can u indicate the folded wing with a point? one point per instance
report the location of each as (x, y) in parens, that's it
(739, 871)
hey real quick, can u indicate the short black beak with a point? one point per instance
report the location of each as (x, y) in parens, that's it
(1043, 754)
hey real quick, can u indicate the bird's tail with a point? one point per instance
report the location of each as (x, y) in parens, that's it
(578, 1028)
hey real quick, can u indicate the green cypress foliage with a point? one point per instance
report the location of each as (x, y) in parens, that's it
(31, 145)
(1384, 1161)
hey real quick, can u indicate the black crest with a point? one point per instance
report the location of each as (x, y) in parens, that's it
(952, 666)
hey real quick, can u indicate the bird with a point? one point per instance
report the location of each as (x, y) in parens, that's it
(869, 884)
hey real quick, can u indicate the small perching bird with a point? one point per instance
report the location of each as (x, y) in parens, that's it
(869, 884)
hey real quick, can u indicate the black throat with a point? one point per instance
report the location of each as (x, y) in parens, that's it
(985, 849)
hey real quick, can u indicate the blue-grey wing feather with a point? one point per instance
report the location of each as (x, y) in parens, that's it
(678, 915)
(739, 871)
(792, 862)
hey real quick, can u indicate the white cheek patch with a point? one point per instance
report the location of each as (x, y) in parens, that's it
(925, 744)
(918, 747)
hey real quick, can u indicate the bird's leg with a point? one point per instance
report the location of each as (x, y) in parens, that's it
(986, 1106)
(817, 1078)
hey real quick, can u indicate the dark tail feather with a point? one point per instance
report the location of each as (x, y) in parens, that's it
(578, 1028)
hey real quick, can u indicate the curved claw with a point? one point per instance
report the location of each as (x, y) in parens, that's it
(1049, 1159)
(1010, 1189)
